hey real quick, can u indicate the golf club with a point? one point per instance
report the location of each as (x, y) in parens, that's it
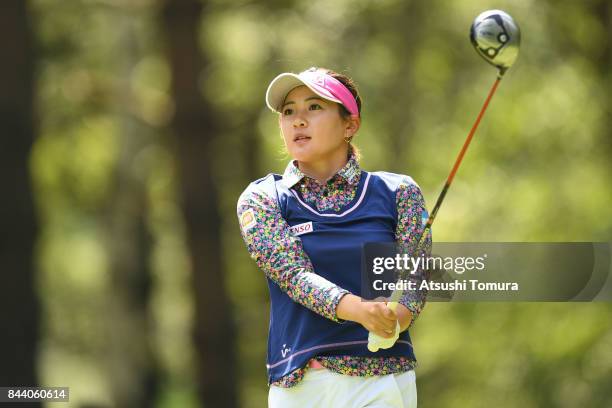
(496, 38)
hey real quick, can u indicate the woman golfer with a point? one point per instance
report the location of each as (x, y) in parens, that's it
(305, 229)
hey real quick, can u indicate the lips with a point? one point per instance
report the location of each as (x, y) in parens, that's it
(300, 137)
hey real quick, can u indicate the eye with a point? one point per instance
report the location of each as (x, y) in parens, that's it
(315, 106)
(287, 111)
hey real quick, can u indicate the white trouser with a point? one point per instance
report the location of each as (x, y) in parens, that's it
(323, 388)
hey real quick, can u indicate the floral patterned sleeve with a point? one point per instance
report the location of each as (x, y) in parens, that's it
(280, 255)
(411, 212)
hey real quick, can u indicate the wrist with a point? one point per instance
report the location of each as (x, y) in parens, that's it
(404, 316)
(349, 308)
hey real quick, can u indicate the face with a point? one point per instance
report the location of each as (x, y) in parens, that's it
(312, 127)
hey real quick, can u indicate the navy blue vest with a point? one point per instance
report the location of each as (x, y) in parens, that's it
(334, 246)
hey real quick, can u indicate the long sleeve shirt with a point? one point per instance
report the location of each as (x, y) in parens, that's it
(280, 255)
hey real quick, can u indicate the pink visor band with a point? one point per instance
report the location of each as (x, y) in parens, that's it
(318, 81)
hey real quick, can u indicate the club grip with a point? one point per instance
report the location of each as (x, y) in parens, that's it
(372, 347)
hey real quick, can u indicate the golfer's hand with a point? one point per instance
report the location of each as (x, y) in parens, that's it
(375, 342)
(377, 318)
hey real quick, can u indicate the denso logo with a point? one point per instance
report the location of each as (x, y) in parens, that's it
(302, 229)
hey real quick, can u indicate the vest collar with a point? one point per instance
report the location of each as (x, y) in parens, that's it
(350, 172)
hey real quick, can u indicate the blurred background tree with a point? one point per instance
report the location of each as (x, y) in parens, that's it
(151, 121)
(196, 129)
(19, 305)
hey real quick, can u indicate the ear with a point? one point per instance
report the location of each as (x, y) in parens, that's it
(352, 125)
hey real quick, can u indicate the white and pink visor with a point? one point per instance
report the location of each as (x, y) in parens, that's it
(318, 81)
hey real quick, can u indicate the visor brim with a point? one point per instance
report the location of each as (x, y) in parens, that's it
(280, 87)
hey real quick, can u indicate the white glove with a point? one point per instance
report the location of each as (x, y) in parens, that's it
(376, 342)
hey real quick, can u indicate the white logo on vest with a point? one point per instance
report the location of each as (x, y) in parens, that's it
(302, 229)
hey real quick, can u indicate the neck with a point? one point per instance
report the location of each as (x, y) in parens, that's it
(324, 169)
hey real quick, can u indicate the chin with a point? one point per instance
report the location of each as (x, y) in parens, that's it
(301, 155)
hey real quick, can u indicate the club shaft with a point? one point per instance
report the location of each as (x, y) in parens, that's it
(453, 172)
(397, 294)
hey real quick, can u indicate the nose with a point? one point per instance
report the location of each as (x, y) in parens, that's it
(299, 122)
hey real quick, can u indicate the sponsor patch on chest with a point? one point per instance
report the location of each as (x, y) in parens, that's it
(301, 229)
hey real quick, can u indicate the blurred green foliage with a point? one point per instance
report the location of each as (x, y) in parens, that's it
(538, 170)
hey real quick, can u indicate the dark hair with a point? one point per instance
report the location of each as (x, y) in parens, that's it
(350, 85)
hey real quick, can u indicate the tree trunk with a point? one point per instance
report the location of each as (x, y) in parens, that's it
(195, 130)
(19, 305)
(132, 364)
(604, 12)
